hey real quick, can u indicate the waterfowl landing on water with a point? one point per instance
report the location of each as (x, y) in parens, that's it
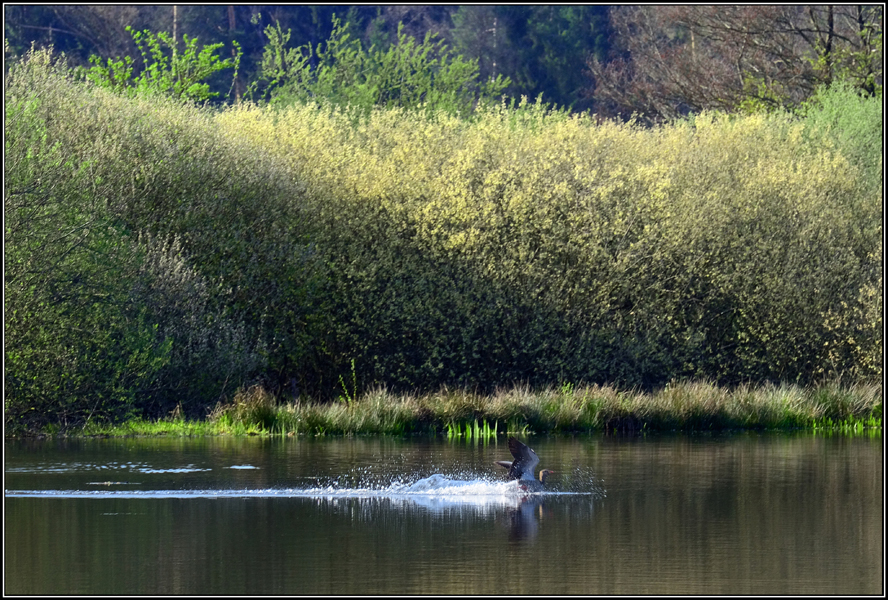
(522, 467)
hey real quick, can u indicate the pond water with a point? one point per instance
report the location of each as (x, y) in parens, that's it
(700, 514)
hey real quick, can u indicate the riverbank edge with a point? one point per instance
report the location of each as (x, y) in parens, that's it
(694, 406)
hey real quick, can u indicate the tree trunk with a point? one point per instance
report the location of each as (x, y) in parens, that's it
(238, 83)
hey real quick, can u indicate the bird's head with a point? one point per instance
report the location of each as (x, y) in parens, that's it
(544, 474)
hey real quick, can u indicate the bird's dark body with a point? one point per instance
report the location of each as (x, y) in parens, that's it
(522, 467)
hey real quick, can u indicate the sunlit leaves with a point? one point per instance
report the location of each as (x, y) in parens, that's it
(180, 74)
(702, 248)
(408, 74)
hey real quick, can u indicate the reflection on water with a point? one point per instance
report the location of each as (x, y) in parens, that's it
(742, 514)
(437, 494)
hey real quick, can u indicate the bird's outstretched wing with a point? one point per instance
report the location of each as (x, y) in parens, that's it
(525, 461)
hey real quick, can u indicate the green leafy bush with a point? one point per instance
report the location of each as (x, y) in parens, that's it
(77, 344)
(852, 123)
(407, 74)
(180, 75)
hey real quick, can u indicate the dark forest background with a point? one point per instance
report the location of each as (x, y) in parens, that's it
(655, 61)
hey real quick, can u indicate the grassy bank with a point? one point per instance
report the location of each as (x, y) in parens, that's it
(693, 406)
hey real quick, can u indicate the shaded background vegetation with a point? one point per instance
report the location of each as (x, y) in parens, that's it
(161, 254)
(658, 61)
(542, 49)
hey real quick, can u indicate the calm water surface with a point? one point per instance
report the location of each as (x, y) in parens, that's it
(742, 514)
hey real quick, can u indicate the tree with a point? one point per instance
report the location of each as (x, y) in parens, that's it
(480, 32)
(678, 59)
(559, 41)
(182, 74)
(76, 30)
(542, 49)
(408, 74)
(416, 21)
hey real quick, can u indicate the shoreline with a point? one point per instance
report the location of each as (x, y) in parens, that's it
(695, 406)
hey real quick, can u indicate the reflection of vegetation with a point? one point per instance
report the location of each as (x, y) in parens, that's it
(679, 406)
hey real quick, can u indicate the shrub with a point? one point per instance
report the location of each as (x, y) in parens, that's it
(211, 353)
(852, 124)
(194, 236)
(181, 75)
(534, 246)
(407, 74)
(78, 345)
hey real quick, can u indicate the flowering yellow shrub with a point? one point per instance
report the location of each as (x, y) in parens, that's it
(538, 247)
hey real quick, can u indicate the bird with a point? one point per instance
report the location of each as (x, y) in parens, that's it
(522, 467)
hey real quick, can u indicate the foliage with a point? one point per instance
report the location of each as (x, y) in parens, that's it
(161, 255)
(532, 246)
(853, 122)
(145, 255)
(78, 345)
(843, 119)
(180, 75)
(406, 75)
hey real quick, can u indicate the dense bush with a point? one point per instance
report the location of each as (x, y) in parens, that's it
(146, 254)
(76, 342)
(538, 247)
(407, 74)
(160, 254)
(840, 116)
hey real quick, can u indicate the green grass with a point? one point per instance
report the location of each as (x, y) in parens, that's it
(869, 427)
(141, 427)
(472, 432)
(683, 406)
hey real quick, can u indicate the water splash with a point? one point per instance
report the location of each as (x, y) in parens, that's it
(435, 486)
